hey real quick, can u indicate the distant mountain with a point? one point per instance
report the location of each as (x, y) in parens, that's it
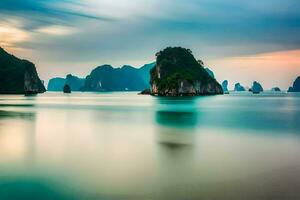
(144, 72)
(18, 76)
(57, 84)
(296, 86)
(126, 78)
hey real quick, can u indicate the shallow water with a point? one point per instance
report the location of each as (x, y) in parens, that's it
(126, 146)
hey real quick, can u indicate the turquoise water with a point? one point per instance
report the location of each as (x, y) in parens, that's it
(126, 146)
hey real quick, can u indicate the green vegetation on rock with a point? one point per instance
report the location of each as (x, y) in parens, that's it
(178, 73)
(18, 76)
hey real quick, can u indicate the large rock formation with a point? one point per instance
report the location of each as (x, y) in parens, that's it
(127, 78)
(57, 84)
(225, 86)
(18, 76)
(178, 73)
(239, 88)
(296, 85)
(256, 87)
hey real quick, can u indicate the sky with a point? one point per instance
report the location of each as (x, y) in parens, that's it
(240, 40)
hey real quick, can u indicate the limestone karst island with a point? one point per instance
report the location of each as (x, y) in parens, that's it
(178, 73)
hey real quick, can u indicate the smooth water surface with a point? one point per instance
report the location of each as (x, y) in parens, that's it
(125, 146)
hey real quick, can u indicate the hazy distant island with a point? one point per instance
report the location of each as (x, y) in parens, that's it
(106, 78)
(178, 73)
(127, 78)
(239, 88)
(276, 89)
(256, 88)
(225, 86)
(57, 84)
(18, 76)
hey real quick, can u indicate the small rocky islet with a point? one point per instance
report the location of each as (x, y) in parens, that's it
(67, 89)
(256, 88)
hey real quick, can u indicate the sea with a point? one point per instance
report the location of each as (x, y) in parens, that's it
(120, 145)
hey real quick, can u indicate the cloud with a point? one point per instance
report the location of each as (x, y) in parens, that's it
(76, 35)
(36, 14)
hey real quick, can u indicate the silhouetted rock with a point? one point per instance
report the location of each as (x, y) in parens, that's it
(256, 87)
(18, 76)
(127, 78)
(57, 84)
(238, 87)
(145, 92)
(178, 73)
(67, 89)
(276, 89)
(225, 85)
(296, 85)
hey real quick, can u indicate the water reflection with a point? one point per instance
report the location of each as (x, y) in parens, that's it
(91, 146)
(17, 136)
(176, 121)
(31, 188)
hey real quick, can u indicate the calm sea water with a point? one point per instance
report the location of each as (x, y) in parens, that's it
(125, 146)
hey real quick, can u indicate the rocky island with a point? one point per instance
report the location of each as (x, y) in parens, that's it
(178, 73)
(296, 86)
(18, 76)
(127, 78)
(225, 86)
(67, 89)
(57, 84)
(275, 89)
(256, 88)
(239, 88)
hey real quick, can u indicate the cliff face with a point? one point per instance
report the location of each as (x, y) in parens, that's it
(18, 76)
(177, 73)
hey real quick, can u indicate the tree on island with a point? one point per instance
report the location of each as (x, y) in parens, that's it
(67, 89)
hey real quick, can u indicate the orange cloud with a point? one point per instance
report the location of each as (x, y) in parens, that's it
(271, 69)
